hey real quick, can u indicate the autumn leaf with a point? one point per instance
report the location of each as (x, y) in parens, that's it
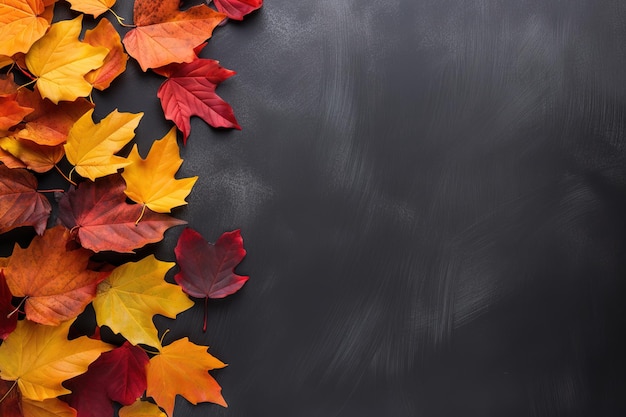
(141, 409)
(10, 406)
(60, 61)
(41, 357)
(91, 147)
(8, 318)
(38, 158)
(92, 7)
(151, 181)
(53, 277)
(190, 91)
(165, 34)
(104, 34)
(21, 25)
(101, 219)
(182, 368)
(49, 124)
(133, 293)
(237, 9)
(118, 375)
(52, 407)
(20, 203)
(207, 270)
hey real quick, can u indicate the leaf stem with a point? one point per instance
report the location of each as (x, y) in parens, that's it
(26, 73)
(143, 211)
(32, 81)
(54, 190)
(163, 336)
(16, 309)
(120, 20)
(65, 176)
(6, 394)
(206, 312)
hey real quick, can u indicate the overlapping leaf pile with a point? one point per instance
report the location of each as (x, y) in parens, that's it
(46, 285)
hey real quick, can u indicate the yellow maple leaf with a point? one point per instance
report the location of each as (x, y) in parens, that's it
(60, 61)
(141, 409)
(92, 7)
(134, 292)
(91, 147)
(182, 368)
(40, 358)
(52, 407)
(21, 24)
(151, 181)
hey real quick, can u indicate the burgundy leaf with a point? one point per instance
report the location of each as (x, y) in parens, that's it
(20, 203)
(118, 375)
(207, 270)
(8, 317)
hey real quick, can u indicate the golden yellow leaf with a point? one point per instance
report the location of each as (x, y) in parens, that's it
(141, 409)
(92, 7)
(21, 25)
(182, 368)
(60, 61)
(151, 181)
(91, 147)
(40, 358)
(52, 407)
(134, 292)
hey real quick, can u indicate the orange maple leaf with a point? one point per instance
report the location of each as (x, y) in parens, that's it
(114, 63)
(52, 274)
(182, 368)
(21, 24)
(165, 34)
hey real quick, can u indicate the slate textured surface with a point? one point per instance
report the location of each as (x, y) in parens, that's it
(432, 194)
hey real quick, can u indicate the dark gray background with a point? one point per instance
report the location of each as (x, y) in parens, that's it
(432, 196)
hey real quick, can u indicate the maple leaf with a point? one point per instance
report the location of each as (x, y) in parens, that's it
(237, 9)
(118, 375)
(21, 24)
(8, 318)
(151, 181)
(141, 409)
(190, 91)
(92, 7)
(165, 34)
(38, 158)
(49, 124)
(101, 219)
(41, 357)
(207, 270)
(53, 277)
(104, 34)
(133, 293)
(21, 204)
(182, 368)
(60, 61)
(91, 147)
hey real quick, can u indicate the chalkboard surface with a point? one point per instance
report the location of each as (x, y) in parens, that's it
(432, 194)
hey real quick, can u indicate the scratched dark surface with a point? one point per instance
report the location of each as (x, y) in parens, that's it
(432, 194)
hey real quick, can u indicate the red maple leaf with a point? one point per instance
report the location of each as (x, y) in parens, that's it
(20, 203)
(190, 91)
(207, 270)
(101, 219)
(8, 318)
(118, 375)
(237, 9)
